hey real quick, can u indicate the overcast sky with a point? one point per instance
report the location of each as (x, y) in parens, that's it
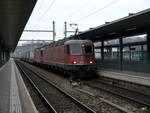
(86, 13)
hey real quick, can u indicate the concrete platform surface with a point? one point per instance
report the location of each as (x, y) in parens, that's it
(14, 97)
(135, 77)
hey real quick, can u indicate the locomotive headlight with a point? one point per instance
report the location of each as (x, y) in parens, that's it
(91, 62)
(74, 62)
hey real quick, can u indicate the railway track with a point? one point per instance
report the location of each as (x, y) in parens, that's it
(41, 105)
(128, 94)
(121, 109)
(92, 99)
(58, 100)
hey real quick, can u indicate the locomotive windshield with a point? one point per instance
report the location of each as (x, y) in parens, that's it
(78, 49)
(88, 49)
(74, 49)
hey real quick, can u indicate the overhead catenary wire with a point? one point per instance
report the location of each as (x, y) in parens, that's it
(43, 14)
(50, 6)
(98, 10)
(73, 13)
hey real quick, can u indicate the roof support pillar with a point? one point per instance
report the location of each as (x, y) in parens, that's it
(142, 52)
(102, 50)
(121, 52)
(0, 56)
(148, 46)
(4, 56)
(130, 52)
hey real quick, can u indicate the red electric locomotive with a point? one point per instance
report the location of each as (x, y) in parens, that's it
(72, 56)
(38, 56)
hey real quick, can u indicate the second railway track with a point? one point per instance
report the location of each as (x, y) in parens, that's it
(58, 100)
(122, 92)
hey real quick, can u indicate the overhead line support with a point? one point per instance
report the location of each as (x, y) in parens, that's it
(38, 31)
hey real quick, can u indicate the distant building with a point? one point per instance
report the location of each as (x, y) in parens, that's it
(28, 47)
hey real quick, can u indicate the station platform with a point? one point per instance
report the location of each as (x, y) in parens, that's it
(14, 97)
(134, 77)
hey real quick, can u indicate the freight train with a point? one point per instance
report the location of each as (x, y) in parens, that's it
(75, 57)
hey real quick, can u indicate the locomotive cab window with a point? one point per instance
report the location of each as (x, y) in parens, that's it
(67, 49)
(75, 49)
(88, 49)
(41, 53)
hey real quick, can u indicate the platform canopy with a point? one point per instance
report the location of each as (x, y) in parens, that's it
(14, 15)
(134, 24)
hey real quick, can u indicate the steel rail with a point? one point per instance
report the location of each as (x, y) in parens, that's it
(52, 110)
(106, 101)
(78, 103)
(119, 93)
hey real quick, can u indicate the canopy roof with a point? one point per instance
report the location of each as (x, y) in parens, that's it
(14, 15)
(138, 23)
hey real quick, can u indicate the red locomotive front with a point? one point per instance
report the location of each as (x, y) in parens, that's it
(39, 57)
(80, 56)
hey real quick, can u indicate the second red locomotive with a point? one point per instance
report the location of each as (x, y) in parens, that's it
(72, 56)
